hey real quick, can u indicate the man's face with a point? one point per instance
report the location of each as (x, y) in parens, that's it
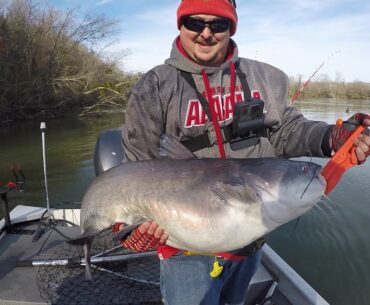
(206, 48)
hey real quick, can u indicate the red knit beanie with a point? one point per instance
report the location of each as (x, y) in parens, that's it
(222, 8)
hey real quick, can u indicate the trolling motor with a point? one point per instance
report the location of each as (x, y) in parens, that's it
(17, 186)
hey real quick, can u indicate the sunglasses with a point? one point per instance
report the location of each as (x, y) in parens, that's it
(197, 25)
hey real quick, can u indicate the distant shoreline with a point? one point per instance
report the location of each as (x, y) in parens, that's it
(338, 90)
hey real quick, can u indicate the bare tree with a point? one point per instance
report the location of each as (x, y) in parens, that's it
(53, 64)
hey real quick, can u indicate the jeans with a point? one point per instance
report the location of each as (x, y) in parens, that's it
(186, 280)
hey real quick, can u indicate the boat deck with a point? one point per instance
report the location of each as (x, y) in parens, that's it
(20, 282)
(134, 281)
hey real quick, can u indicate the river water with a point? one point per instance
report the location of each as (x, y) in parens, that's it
(329, 246)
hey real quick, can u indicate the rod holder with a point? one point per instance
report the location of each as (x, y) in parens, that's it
(43, 130)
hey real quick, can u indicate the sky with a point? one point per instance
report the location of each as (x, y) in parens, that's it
(296, 36)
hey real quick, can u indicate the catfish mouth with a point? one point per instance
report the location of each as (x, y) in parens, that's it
(320, 183)
(271, 191)
(317, 175)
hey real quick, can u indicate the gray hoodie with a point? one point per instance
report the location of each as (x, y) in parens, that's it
(162, 101)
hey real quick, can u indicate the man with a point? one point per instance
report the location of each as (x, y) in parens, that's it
(192, 97)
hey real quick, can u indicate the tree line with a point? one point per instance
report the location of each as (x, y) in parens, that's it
(52, 63)
(324, 87)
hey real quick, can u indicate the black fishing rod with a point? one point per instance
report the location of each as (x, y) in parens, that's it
(81, 261)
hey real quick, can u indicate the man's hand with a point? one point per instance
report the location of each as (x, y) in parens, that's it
(362, 144)
(148, 236)
(339, 134)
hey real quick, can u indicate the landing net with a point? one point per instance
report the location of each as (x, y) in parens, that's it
(134, 281)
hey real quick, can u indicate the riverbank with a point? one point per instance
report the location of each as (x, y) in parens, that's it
(326, 88)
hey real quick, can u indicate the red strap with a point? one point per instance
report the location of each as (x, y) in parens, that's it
(231, 256)
(214, 115)
(232, 83)
(165, 252)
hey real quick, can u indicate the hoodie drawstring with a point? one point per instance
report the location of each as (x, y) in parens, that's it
(211, 102)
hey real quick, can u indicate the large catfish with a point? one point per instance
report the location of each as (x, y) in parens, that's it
(205, 205)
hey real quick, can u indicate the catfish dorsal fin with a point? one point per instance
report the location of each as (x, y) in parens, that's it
(170, 147)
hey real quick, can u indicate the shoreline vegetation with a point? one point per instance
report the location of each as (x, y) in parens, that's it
(325, 88)
(54, 64)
